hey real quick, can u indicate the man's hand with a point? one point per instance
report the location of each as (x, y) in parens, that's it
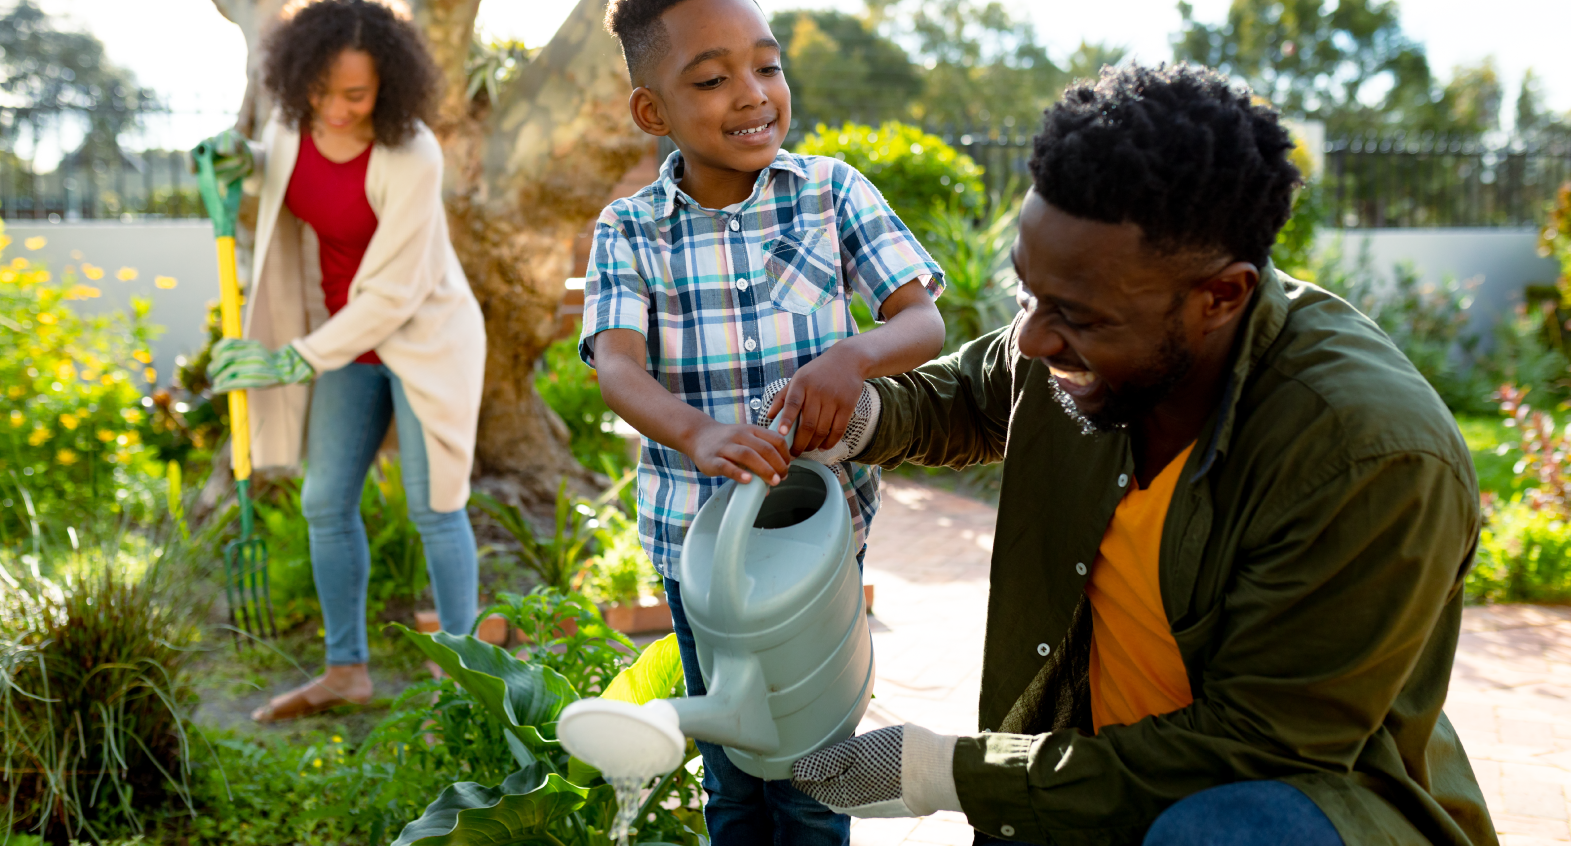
(899, 771)
(824, 393)
(737, 450)
(238, 363)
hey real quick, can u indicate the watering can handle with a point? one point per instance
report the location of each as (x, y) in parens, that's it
(727, 585)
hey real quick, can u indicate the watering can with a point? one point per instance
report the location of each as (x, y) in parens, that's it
(772, 590)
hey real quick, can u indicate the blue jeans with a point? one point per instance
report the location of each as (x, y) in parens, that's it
(1244, 813)
(350, 410)
(744, 810)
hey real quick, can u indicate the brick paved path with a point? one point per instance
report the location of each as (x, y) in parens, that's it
(928, 559)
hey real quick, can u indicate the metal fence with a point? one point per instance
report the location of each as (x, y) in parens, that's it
(150, 184)
(1389, 182)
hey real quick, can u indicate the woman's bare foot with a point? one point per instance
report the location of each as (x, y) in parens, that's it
(342, 684)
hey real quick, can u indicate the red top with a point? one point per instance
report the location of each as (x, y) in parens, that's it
(330, 196)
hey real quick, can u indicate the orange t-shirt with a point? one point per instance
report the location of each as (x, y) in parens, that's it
(1136, 669)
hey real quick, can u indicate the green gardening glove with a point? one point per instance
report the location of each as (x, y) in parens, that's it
(238, 363)
(232, 156)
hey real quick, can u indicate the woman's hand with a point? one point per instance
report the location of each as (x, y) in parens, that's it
(231, 156)
(238, 363)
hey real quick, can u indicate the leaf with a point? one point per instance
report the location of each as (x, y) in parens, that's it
(526, 696)
(519, 810)
(654, 675)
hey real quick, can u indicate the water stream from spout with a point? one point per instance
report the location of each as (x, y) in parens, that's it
(629, 796)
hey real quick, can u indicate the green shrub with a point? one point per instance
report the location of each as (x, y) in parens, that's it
(71, 453)
(979, 278)
(622, 571)
(917, 173)
(1524, 555)
(572, 390)
(93, 692)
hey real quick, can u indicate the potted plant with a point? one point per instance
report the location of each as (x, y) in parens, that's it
(623, 582)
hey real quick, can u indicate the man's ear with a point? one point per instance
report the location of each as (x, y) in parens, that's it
(648, 111)
(1226, 294)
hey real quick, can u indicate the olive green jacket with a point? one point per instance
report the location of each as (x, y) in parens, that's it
(1311, 568)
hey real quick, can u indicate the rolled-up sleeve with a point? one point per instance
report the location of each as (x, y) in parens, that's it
(616, 295)
(878, 252)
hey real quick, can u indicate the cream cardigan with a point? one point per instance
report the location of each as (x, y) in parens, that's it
(409, 301)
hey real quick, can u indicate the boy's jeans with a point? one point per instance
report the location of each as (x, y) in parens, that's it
(350, 409)
(743, 810)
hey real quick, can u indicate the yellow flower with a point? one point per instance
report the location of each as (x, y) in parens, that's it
(91, 271)
(36, 242)
(151, 374)
(37, 437)
(46, 318)
(126, 274)
(83, 292)
(65, 371)
(106, 379)
(15, 391)
(4, 242)
(165, 282)
(105, 435)
(8, 276)
(90, 375)
(123, 456)
(16, 419)
(69, 421)
(317, 762)
(143, 356)
(337, 739)
(42, 276)
(66, 457)
(19, 263)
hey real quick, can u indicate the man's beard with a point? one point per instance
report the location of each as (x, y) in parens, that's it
(1135, 400)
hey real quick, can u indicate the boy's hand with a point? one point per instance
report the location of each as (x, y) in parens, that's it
(738, 450)
(824, 393)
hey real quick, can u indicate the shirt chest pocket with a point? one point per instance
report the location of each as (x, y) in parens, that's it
(803, 270)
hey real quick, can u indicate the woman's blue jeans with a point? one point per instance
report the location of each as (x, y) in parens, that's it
(744, 810)
(350, 410)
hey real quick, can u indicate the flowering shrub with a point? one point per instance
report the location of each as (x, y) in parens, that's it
(71, 452)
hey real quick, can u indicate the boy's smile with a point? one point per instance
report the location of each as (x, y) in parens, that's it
(721, 95)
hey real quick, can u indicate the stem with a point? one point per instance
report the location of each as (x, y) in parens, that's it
(660, 787)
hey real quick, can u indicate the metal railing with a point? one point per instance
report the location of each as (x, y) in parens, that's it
(151, 184)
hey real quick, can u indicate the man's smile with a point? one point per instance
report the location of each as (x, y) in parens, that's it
(1076, 383)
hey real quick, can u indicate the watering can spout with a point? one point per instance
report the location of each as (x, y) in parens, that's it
(735, 713)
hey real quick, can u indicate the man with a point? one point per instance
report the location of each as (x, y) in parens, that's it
(1234, 522)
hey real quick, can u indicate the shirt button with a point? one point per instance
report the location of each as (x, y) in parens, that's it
(749, 345)
(1080, 568)
(741, 284)
(755, 403)
(1043, 649)
(1123, 479)
(1007, 830)
(735, 227)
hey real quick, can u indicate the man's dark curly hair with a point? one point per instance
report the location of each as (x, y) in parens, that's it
(636, 24)
(303, 47)
(1177, 151)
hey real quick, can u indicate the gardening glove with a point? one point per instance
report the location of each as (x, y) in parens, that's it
(231, 156)
(239, 363)
(899, 771)
(859, 430)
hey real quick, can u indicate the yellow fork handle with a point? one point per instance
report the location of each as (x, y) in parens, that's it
(229, 310)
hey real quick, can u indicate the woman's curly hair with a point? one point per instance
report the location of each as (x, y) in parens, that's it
(302, 49)
(1178, 151)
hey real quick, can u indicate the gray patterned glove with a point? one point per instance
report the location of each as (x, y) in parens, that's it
(859, 429)
(899, 771)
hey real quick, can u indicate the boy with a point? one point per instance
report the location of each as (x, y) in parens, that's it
(733, 271)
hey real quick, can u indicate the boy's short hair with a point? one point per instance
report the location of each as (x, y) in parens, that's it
(1179, 151)
(637, 25)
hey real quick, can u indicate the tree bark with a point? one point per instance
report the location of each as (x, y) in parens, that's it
(523, 176)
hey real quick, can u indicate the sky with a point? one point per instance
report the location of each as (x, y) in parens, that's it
(188, 52)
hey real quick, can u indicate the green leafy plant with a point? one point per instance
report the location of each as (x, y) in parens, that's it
(556, 561)
(917, 172)
(572, 390)
(564, 632)
(979, 278)
(94, 734)
(70, 406)
(622, 571)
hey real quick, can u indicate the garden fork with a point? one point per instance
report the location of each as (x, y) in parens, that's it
(245, 559)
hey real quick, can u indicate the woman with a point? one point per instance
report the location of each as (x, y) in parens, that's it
(380, 320)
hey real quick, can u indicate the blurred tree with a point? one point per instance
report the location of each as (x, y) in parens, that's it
(1344, 62)
(1471, 101)
(1090, 57)
(531, 159)
(840, 69)
(48, 75)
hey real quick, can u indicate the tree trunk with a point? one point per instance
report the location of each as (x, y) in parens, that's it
(523, 177)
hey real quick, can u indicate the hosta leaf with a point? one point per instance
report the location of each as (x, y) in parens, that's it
(519, 810)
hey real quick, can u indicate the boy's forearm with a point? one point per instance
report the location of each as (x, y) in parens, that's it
(906, 341)
(647, 406)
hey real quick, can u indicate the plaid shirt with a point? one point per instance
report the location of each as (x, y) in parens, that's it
(731, 300)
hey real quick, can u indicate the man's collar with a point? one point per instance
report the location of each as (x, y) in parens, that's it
(1267, 316)
(667, 192)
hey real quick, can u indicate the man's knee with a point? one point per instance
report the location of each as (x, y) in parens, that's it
(1245, 813)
